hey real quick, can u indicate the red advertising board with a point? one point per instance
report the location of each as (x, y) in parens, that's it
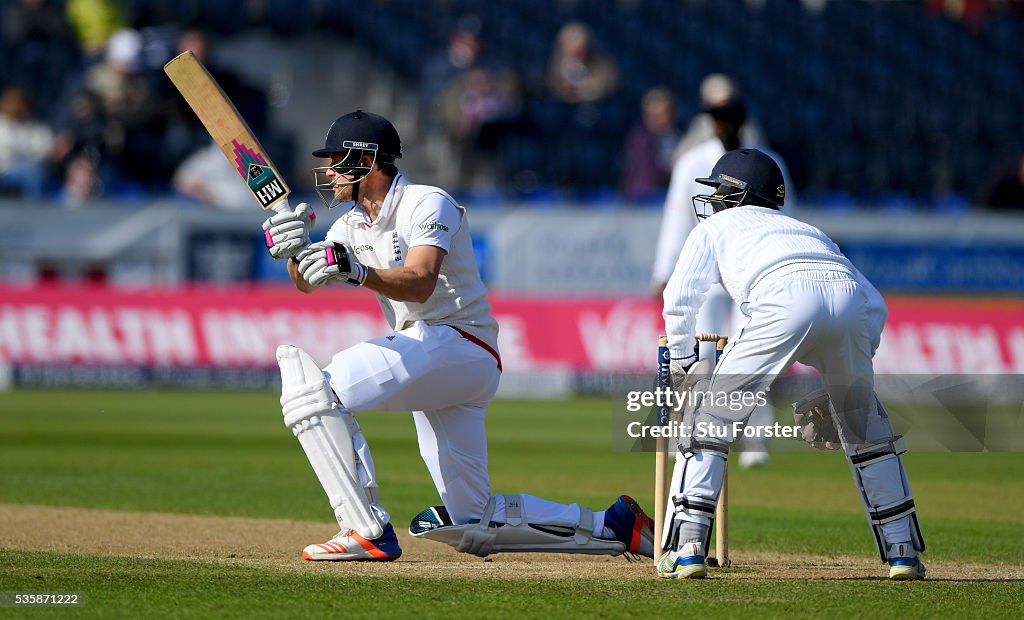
(240, 327)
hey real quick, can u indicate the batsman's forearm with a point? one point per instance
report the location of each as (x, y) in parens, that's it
(297, 280)
(402, 284)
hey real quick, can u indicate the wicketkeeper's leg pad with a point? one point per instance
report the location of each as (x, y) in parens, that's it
(325, 430)
(517, 534)
(876, 465)
(885, 493)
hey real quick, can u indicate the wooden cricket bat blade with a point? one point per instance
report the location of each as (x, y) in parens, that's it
(229, 130)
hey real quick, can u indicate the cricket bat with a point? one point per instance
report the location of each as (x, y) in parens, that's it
(229, 130)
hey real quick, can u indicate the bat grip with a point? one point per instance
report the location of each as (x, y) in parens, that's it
(281, 206)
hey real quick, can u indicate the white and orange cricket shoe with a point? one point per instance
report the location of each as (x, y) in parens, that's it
(349, 545)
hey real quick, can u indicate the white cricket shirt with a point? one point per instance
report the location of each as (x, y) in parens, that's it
(678, 218)
(414, 215)
(737, 247)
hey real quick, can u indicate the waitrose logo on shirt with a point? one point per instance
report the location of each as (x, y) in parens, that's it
(434, 226)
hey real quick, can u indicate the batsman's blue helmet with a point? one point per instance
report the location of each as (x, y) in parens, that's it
(364, 131)
(349, 140)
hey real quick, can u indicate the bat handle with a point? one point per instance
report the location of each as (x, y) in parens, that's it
(281, 206)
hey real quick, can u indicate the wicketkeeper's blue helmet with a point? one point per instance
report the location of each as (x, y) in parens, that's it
(743, 176)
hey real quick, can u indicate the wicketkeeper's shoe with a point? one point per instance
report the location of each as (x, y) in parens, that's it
(674, 565)
(904, 563)
(906, 569)
(349, 545)
(631, 526)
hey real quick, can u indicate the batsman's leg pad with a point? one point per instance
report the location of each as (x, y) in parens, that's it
(882, 483)
(325, 431)
(485, 537)
(696, 483)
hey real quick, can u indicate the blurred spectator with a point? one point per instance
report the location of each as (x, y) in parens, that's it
(81, 130)
(476, 111)
(39, 54)
(206, 176)
(649, 147)
(577, 73)
(461, 54)
(715, 89)
(813, 7)
(135, 123)
(183, 133)
(474, 104)
(251, 102)
(971, 12)
(580, 79)
(1004, 189)
(94, 22)
(114, 78)
(25, 144)
(81, 181)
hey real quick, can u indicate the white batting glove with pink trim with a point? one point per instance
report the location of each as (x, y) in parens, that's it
(287, 234)
(326, 262)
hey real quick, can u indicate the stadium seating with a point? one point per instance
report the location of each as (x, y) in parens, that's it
(861, 98)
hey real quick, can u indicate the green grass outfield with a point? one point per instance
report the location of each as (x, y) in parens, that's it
(230, 455)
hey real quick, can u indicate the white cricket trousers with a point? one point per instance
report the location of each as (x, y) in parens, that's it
(447, 381)
(823, 318)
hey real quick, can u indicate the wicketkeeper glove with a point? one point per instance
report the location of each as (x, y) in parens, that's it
(325, 262)
(813, 414)
(687, 372)
(287, 234)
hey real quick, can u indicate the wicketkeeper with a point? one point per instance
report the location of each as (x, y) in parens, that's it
(803, 301)
(410, 245)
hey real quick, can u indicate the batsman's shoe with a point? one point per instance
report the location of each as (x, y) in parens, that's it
(631, 526)
(349, 545)
(906, 569)
(674, 565)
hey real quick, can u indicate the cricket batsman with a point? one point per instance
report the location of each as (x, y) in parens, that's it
(802, 301)
(409, 244)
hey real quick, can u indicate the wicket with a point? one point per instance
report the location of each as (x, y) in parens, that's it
(661, 511)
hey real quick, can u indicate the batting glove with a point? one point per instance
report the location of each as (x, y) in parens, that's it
(326, 262)
(287, 234)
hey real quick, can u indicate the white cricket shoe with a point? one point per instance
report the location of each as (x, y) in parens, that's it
(349, 545)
